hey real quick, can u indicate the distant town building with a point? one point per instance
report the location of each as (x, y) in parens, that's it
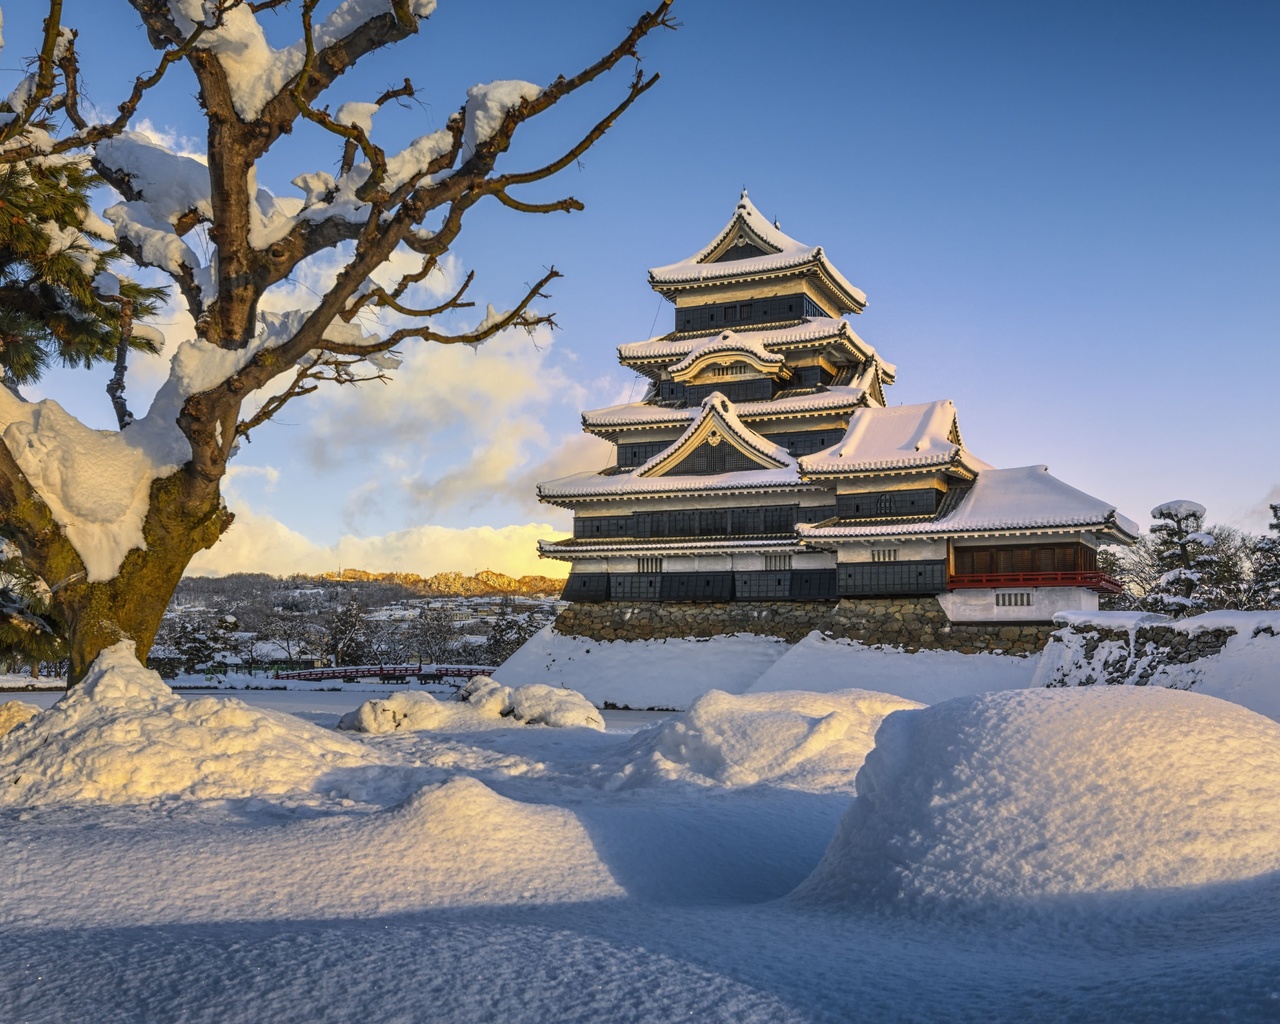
(763, 465)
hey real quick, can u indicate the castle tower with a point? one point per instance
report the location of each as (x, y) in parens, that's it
(763, 464)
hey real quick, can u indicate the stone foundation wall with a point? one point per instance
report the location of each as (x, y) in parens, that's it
(912, 623)
(1152, 654)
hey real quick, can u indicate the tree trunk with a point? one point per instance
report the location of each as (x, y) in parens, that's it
(186, 516)
(132, 603)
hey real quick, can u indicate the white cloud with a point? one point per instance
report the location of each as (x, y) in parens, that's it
(171, 139)
(260, 543)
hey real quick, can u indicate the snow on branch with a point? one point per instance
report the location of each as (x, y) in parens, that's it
(23, 134)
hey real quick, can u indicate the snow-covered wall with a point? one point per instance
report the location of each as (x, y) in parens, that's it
(1234, 655)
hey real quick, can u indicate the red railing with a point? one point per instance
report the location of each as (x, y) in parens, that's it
(1092, 580)
(385, 672)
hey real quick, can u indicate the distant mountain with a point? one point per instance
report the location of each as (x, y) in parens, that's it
(485, 583)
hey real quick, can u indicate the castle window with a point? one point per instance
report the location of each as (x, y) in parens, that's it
(884, 554)
(1014, 599)
(744, 311)
(650, 564)
(884, 505)
(730, 314)
(776, 563)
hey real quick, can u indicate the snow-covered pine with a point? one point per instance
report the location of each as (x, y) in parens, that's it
(1266, 565)
(1185, 552)
(115, 543)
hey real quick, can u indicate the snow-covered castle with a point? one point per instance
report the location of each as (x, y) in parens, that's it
(764, 477)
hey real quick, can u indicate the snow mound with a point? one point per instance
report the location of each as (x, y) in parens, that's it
(1029, 794)
(486, 703)
(811, 741)
(122, 736)
(826, 663)
(472, 845)
(14, 713)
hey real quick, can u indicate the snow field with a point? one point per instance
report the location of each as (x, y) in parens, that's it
(489, 871)
(1026, 795)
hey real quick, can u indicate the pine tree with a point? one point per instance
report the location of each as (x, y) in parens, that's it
(59, 302)
(1266, 565)
(29, 633)
(1184, 551)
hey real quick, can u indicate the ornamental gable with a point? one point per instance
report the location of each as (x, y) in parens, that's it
(717, 441)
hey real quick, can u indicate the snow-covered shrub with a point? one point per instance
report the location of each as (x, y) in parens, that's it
(814, 741)
(1029, 794)
(485, 703)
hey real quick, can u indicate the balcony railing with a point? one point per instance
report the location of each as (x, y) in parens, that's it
(1091, 580)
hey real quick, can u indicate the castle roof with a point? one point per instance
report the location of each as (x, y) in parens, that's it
(1022, 500)
(716, 423)
(749, 230)
(729, 343)
(810, 333)
(641, 414)
(900, 437)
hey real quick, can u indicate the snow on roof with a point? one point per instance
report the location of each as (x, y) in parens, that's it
(811, 330)
(717, 414)
(1027, 498)
(901, 437)
(565, 549)
(729, 341)
(596, 485)
(787, 253)
(640, 414)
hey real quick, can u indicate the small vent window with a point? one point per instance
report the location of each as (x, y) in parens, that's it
(1014, 599)
(884, 554)
(773, 563)
(650, 564)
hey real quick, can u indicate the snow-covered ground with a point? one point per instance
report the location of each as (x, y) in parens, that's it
(1022, 854)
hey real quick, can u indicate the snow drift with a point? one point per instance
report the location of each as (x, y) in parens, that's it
(122, 736)
(1040, 793)
(810, 741)
(487, 703)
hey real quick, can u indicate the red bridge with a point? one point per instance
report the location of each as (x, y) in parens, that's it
(387, 673)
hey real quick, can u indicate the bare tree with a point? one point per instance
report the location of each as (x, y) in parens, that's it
(435, 635)
(111, 573)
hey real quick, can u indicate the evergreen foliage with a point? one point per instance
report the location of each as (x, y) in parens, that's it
(29, 633)
(1265, 590)
(1185, 553)
(59, 303)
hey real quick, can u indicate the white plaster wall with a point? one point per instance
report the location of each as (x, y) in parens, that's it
(979, 605)
(908, 550)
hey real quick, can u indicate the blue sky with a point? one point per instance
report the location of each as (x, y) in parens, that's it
(1066, 218)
